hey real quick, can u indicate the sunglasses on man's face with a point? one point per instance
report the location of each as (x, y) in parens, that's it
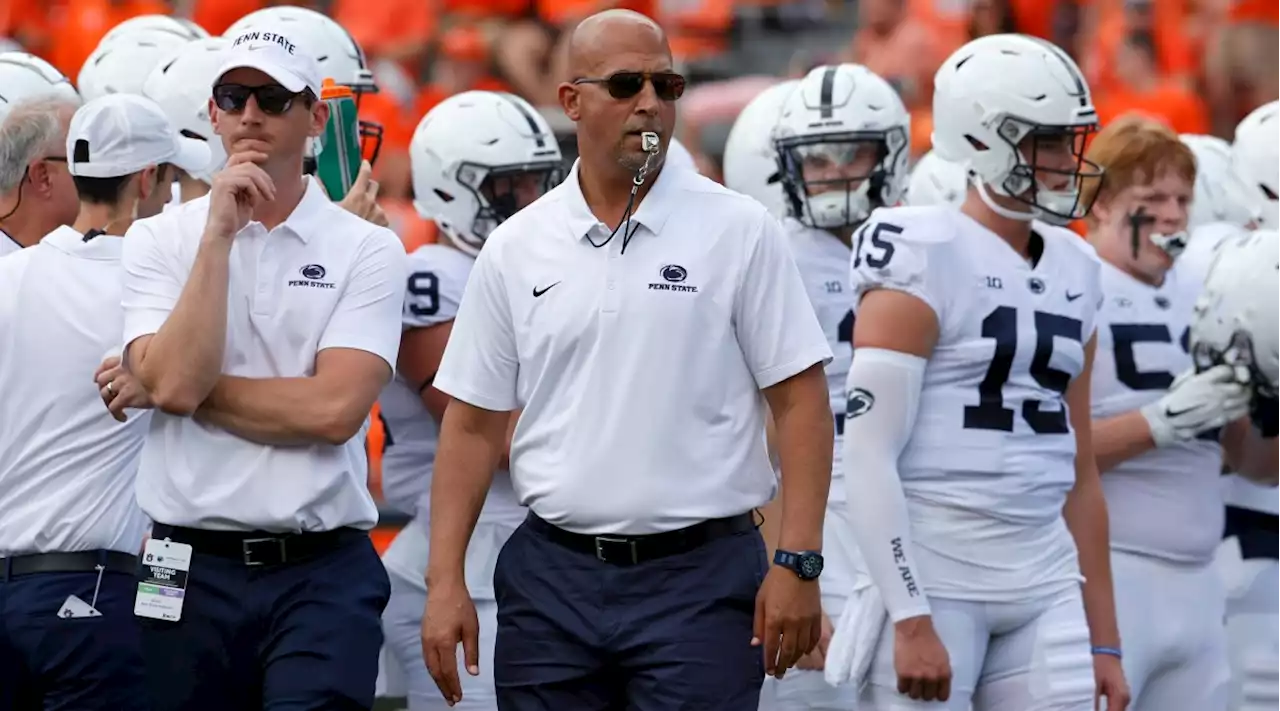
(669, 86)
(273, 99)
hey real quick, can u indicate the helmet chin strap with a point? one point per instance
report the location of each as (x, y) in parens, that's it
(999, 209)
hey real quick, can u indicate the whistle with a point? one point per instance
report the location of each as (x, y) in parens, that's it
(649, 142)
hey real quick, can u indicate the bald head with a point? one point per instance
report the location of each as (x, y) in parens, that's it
(611, 32)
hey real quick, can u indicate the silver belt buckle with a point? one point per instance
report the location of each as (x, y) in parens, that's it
(248, 555)
(630, 542)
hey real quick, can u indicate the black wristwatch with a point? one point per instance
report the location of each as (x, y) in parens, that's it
(807, 565)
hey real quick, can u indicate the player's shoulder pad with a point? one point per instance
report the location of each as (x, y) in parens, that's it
(437, 277)
(906, 249)
(919, 224)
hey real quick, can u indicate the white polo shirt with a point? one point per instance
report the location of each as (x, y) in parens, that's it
(8, 245)
(639, 374)
(66, 466)
(322, 279)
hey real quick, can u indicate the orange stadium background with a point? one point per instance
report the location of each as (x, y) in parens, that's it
(1198, 65)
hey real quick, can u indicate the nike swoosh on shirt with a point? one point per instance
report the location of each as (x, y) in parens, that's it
(539, 292)
(1073, 297)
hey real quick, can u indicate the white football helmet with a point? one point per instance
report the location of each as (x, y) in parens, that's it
(121, 66)
(145, 25)
(750, 158)
(998, 90)
(1237, 316)
(336, 51)
(477, 158)
(180, 85)
(25, 76)
(1219, 196)
(1255, 155)
(935, 181)
(843, 140)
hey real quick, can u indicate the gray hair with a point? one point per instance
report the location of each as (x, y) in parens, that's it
(32, 129)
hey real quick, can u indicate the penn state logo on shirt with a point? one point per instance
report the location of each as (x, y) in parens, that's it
(673, 278)
(312, 278)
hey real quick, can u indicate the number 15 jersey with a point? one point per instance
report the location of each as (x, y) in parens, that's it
(992, 454)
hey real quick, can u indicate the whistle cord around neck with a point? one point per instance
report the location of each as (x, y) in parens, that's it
(628, 230)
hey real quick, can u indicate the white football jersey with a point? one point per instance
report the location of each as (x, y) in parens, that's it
(823, 261)
(433, 289)
(1165, 502)
(992, 454)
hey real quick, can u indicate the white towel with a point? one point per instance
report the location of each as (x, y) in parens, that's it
(855, 638)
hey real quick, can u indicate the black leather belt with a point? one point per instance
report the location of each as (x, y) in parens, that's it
(633, 550)
(1258, 532)
(258, 548)
(76, 562)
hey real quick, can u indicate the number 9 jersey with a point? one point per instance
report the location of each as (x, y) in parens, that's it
(991, 458)
(433, 289)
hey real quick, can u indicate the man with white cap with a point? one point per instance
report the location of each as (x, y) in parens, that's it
(71, 527)
(263, 320)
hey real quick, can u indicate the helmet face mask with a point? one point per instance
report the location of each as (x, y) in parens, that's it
(834, 181)
(1049, 168)
(500, 192)
(1240, 353)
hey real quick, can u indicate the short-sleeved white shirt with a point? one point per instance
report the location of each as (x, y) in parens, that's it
(8, 245)
(322, 279)
(639, 374)
(66, 466)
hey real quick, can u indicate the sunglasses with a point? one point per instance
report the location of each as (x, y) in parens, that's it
(273, 99)
(669, 86)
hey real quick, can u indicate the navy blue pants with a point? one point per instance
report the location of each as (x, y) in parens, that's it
(48, 663)
(298, 637)
(670, 634)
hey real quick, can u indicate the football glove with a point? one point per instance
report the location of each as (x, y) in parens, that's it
(1199, 402)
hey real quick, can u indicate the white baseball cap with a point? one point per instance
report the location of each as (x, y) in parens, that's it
(121, 134)
(275, 54)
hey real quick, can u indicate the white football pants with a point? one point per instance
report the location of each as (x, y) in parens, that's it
(1031, 656)
(1175, 646)
(1253, 628)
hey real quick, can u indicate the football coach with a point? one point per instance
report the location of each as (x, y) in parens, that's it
(641, 333)
(263, 320)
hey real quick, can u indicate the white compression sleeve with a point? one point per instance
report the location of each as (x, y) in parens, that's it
(884, 394)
